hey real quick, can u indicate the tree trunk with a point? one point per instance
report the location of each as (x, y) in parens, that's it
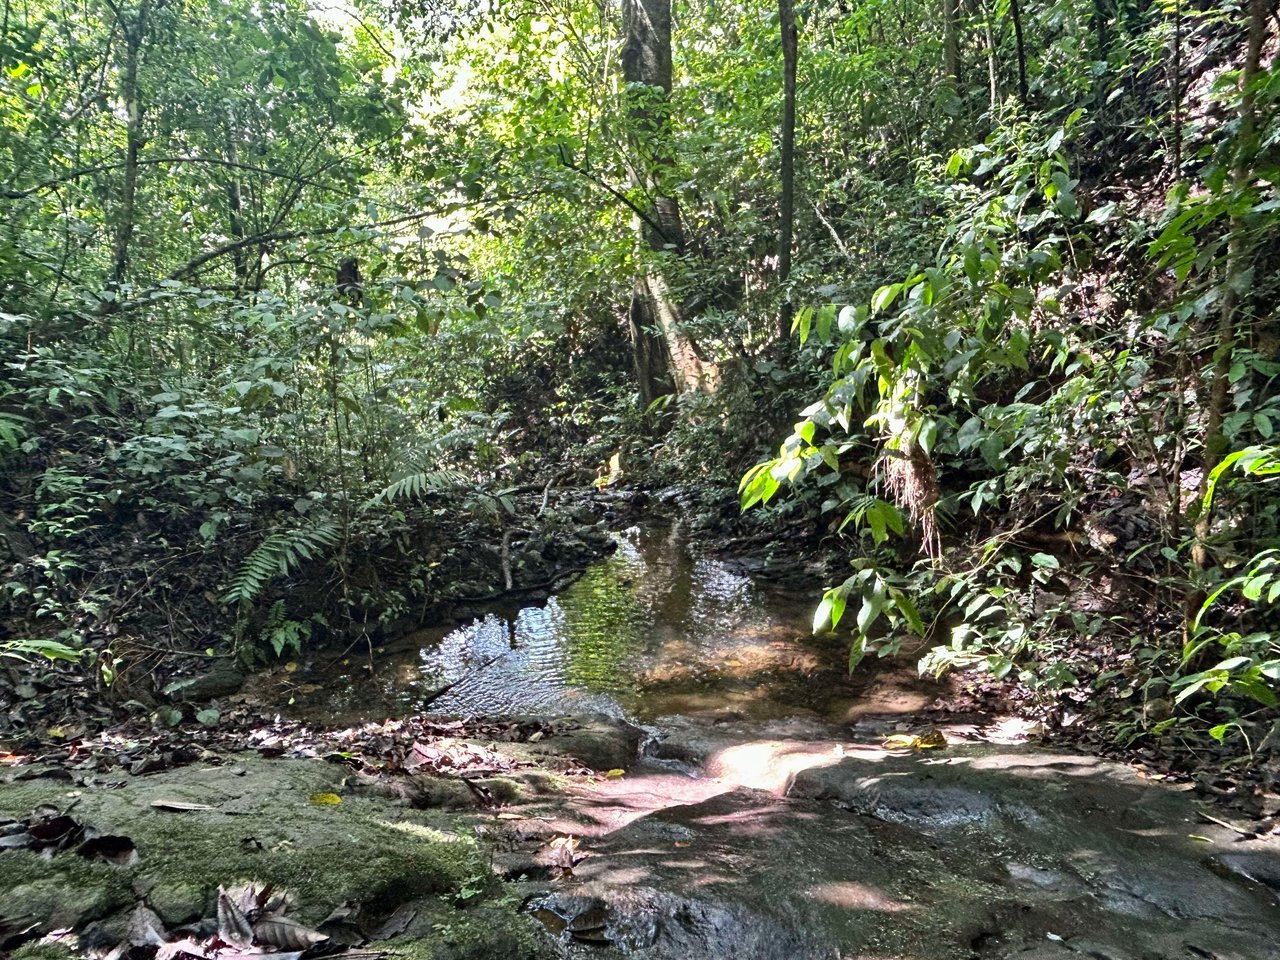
(1015, 11)
(1237, 263)
(1225, 335)
(654, 312)
(951, 43)
(649, 354)
(786, 226)
(992, 68)
(235, 208)
(133, 36)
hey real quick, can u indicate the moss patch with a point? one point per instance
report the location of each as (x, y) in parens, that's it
(261, 826)
(485, 933)
(42, 951)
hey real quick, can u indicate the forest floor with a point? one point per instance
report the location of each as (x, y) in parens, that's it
(559, 836)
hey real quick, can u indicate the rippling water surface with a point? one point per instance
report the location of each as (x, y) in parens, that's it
(653, 629)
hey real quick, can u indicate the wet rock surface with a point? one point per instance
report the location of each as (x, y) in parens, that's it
(729, 838)
(838, 848)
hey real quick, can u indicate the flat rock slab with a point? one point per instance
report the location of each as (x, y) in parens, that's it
(852, 851)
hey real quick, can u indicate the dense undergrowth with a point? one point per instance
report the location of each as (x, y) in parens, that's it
(307, 318)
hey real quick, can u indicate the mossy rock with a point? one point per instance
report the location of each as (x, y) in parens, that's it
(483, 933)
(271, 824)
(42, 951)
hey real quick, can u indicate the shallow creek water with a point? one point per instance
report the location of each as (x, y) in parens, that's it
(655, 629)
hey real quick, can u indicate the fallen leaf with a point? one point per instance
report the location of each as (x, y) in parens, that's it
(554, 923)
(15, 841)
(615, 774)
(116, 849)
(233, 926)
(254, 899)
(926, 741)
(593, 918)
(395, 924)
(564, 853)
(325, 799)
(56, 832)
(179, 806)
(145, 928)
(283, 932)
(180, 949)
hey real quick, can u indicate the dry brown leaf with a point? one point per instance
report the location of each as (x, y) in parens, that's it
(145, 928)
(283, 932)
(233, 926)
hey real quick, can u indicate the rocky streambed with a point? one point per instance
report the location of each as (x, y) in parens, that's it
(682, 773)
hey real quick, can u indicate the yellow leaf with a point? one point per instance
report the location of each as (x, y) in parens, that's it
(616, 774)
(325, 799)
(900, 740)
(57, 733)
(934, 738)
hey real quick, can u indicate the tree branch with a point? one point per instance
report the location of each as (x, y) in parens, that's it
(194, 264)
(150, 161)
(616, 194)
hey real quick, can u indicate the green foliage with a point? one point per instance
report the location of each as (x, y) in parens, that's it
(1006, 342)
(283, 634)
(280, 554)
(1250, 663)
(415, 485)
(49, 649)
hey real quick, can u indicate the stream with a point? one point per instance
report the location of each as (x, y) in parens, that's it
(763, 814)
(654, 630)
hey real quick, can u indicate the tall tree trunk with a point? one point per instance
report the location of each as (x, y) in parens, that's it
(1015, 11)
(1101, 17)
(235, 209)
(1175, 92)
(1237, 263)
(654, 312)
(134, 33)
(786, 225)
(951, 43)
(993, 73)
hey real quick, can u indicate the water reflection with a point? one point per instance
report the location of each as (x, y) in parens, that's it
(652, 628)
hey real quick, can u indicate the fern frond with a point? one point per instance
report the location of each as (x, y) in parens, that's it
(414, 485)
(277, 555)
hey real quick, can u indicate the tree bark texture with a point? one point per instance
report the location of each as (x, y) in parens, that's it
(655, 314)
(1015, 11)
(951, 43)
